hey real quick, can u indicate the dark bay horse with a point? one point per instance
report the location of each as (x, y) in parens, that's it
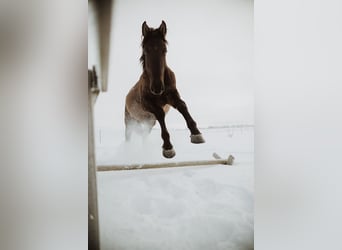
(151, 97)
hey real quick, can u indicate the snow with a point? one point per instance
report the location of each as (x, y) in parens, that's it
(203, 207)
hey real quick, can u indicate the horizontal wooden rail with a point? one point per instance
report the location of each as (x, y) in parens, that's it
(228, 161)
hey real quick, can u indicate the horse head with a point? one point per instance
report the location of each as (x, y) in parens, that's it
(154, 56)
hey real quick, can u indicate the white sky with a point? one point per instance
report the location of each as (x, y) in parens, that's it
(210, 50)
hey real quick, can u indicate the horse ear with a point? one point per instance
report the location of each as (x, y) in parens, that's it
(145, 28)
(162, 28)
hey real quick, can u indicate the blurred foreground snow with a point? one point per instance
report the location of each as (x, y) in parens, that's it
(207, 207)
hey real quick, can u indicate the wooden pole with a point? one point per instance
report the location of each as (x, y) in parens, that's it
(93, 220)
(104, 17)
(102, 10)
(228, 161)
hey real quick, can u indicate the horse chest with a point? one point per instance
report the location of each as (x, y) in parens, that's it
(157, 101)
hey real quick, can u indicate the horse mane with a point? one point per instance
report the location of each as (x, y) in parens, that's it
(142, 60)
(153, 33)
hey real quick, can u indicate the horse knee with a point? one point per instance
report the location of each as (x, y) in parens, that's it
(181, 106)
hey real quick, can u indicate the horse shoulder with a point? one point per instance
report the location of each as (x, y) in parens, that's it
(172, 76)
(134, 93)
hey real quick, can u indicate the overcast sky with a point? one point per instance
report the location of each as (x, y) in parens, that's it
(210, 50)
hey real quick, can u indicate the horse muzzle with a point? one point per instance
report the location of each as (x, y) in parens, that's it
(159, 90)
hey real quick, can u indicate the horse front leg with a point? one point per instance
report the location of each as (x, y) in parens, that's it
(180, 105)
(168, 151)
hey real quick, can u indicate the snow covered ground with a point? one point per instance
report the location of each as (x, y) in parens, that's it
(206, 207)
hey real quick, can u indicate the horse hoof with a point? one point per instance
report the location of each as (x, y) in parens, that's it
(197, 138)
(169, 153)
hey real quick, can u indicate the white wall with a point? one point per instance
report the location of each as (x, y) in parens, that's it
(210, 50)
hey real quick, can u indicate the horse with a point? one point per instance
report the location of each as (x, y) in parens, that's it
(150, 98)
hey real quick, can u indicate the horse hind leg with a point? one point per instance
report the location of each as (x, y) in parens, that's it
(147, 126)
(128, 132)
(130, 125)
